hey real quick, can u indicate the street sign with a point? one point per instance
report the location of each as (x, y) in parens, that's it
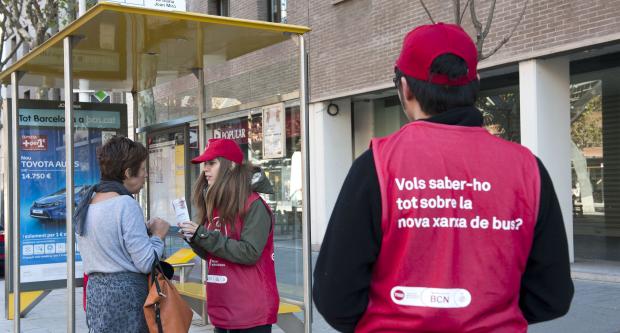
(171, 5)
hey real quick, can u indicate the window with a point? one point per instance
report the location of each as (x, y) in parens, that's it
(223, 8)
(277, 11)
(498, 101)
(594, 96)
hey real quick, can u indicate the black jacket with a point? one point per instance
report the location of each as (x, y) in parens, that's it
(353, 240)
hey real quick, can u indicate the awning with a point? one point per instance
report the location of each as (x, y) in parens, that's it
(132, 48)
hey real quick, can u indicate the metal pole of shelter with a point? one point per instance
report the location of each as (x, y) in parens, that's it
(8, 196)
(305, 152)
(68, 78)
(202, 105)
(134, 116)
(16, 216)
(202, 109)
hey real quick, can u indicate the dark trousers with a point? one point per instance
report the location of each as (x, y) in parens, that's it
(257, 329)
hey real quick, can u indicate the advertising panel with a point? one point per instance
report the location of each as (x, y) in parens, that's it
(274, 140)
(42, 179)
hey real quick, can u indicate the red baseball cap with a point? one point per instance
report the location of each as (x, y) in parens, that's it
(225, 148)
(425, 43)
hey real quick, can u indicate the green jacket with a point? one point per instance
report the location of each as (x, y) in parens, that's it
(256, 228)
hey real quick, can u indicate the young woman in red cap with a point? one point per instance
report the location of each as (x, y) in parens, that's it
(235, 236)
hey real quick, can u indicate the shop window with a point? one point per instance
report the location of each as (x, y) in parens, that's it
(498, 101)
(595, 159)
(388, 116)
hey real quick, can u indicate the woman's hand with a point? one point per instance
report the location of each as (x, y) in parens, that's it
(158, 227)
(188, 229)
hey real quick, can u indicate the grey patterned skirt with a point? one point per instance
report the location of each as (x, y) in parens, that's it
(114, 302)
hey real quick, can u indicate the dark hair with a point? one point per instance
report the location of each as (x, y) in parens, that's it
(437, 98)
(228, 194)
(118, 155)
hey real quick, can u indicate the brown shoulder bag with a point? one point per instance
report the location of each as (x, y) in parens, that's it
(164, 309)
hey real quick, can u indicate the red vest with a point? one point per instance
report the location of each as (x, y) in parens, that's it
(242, 296)
(459, 208)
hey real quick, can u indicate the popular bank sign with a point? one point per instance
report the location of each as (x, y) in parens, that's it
(237, 130)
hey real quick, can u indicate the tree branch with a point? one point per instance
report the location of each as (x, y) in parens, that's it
(15, 24)
(485, 32)
(507, 38)
(4, 36)
(457, 11)
(463, 12)
(51, 15)
(427, 12)
(10, 55)
(477, 26)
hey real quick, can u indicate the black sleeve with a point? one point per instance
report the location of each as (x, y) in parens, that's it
(350, 248)
(546, 285)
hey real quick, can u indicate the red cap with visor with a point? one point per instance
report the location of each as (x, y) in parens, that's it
(424, 44)
(225, 148)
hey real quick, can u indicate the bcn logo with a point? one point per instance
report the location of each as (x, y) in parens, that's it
(430, 297)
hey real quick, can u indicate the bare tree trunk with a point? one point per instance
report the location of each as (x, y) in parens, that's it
(583, 178)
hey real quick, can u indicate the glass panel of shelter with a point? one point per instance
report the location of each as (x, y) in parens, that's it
(167, 178)
(285, 176)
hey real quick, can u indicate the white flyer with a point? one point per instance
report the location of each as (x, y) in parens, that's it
(180, 210)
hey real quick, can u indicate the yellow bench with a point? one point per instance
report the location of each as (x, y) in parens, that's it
(196, 296)
(27, 301)
(182, 259)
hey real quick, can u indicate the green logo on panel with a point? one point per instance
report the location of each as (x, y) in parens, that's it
(101, 95)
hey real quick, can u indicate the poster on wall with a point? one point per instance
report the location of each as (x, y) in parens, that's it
(166, 178)
(42, 194)
(274, 134)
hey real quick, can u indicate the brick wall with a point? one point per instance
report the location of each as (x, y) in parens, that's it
(353, 43)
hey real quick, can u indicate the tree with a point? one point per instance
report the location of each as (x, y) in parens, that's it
(481, 31)
(31, 22)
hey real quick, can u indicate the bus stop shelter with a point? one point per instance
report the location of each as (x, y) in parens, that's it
(108, 46)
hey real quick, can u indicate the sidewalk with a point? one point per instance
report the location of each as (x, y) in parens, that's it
(594, 309)
(50, 316)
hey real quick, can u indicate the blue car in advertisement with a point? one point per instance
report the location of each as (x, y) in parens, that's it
(53, 206)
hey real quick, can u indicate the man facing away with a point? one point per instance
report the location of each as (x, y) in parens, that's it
(441, 226)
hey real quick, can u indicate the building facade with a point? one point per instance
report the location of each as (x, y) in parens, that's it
(352, 49)
(552, 87)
